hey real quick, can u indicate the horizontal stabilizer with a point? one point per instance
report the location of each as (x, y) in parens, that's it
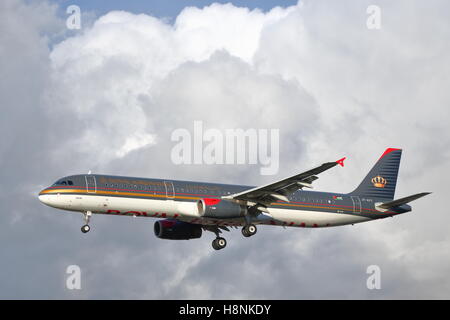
(399, 202)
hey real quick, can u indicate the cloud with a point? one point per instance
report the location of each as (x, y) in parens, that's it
(92, 74)
(107, 99)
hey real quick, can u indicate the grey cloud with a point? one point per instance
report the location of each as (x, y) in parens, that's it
(316, 73)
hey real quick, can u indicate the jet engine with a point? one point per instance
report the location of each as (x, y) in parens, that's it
(176, 230)
(217, 208)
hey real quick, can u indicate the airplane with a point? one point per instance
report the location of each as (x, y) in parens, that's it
(187, 208)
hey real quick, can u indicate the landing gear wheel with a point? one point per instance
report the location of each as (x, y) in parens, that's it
(87, 217)
(249, 230)
(219, 243)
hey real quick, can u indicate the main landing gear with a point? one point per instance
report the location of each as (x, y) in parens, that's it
(219, 243)
(87, 217)
(249, 230)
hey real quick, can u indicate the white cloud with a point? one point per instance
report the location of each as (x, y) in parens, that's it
(135, 142)
(135, 75)
(108, 98)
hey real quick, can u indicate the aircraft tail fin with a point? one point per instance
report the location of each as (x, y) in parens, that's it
(380, 182)
(402, 201)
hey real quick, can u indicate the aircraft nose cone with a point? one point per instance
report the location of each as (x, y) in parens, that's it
(45, 199)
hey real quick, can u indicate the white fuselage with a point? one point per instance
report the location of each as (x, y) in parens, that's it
(188, 212)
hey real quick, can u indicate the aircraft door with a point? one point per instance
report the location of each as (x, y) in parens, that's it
(91, 184)
(356, 204)
(170, 190)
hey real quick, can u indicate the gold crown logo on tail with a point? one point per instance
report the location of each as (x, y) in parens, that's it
(379, 182)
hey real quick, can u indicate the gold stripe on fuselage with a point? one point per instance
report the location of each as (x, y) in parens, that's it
(148, 195)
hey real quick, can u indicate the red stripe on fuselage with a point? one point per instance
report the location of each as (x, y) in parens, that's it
(209, 200)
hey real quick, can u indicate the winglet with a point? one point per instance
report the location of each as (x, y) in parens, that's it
(341, 161)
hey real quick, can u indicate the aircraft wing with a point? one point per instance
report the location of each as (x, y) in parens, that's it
(280, 190)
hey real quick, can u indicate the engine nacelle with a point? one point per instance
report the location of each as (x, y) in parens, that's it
(176, 230)
(221, 209)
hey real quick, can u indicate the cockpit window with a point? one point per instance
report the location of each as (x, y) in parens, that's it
(63, 183)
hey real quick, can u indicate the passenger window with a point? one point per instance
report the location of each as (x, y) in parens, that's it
(64, 183)
(70, 183)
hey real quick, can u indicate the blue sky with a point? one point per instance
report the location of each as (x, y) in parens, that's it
(163, 8)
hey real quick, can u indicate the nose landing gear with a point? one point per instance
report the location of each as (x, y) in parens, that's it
(87, 217)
